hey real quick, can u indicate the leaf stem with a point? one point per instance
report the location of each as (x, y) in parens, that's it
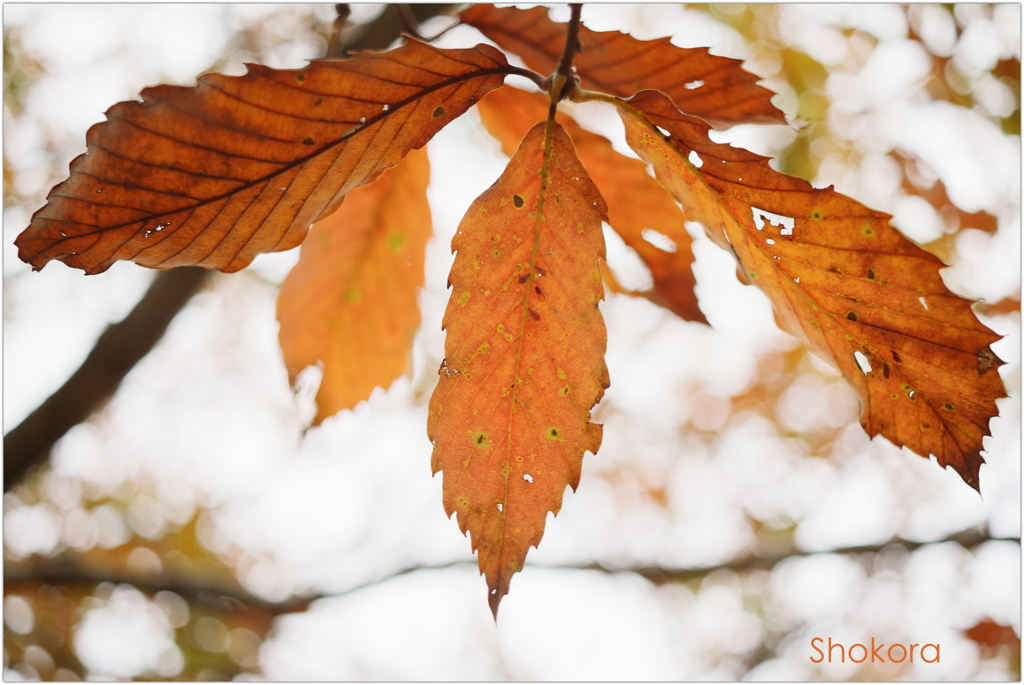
(564, 81)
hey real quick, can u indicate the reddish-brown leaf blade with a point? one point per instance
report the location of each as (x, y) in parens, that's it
(215, 174)
(717, 89)
(636, 202)
(845, 281)
(524, 353)
(350, 301)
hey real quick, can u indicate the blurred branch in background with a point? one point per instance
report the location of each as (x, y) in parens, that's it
(124, 344)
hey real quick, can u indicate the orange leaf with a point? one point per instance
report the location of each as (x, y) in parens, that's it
(350, 302)
(524, 353)
(844, 280)
(714, 88)
(988, 633)
(636, 202)
(215, 174)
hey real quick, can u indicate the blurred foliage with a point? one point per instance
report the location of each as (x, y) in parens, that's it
(111, 542)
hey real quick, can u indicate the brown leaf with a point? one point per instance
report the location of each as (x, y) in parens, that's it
(717, 89)
(988, 633)
(215, 174)
(350, 302)
(636, 202)
(842, 279)
(524, 353)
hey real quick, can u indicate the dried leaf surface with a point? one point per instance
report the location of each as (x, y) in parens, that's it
(845, 281)
(350, 302)
(637, 204)
(215, 174)
(717, 89)
(524, 353)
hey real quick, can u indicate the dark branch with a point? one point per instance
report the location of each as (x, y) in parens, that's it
(116, 352)
(384, 29)
(573, 47)
(69, 570)
(122, 345)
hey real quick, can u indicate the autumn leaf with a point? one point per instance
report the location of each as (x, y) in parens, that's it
(989, 634)
(350, 301)
(844, 280)
(637, 204)
(717, 89)
(524, 353)
(215, 174)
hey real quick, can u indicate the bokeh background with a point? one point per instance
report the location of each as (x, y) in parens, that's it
(194, 529)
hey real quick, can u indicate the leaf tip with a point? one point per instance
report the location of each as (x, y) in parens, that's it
(493, 600)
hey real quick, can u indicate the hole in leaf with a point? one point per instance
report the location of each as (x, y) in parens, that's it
(500, 508)
(659, 240)
(770, 241)
(924, 302)
(693, 85)
(862, 362)
(787, 223)
(695, 159)
(528, 478)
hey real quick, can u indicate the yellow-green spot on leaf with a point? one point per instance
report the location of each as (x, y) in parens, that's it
(867, 230)
(561, 375)
(351, 294)
(481, 440)
(483, 349)
(463, 502)
(553, 433)
(752, 274)
(463, 297)
(496, 254)
(564, 391)
(396, 241)
(817, 214)
(506, 471)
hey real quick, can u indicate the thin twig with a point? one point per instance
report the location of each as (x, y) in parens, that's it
(572, 42)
